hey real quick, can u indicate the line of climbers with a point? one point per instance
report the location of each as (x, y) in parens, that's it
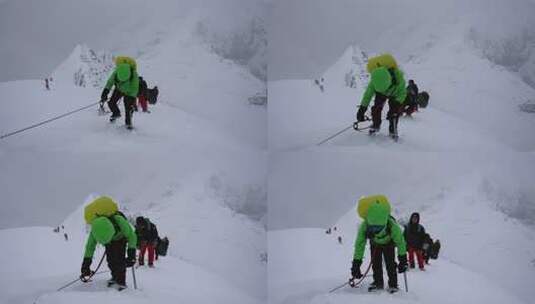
(385, 235)
(111, 229)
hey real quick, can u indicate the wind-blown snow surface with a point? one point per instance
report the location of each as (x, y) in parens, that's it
(465, 163)
(43, 261)
(479, 205)
(474, 104)
(196, 165)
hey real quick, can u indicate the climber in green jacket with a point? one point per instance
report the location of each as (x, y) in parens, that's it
(116, 234)
(385, 235)
(126, 82)
(386, 83)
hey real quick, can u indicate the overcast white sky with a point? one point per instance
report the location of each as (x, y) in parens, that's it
(37, 35)
(306, 36)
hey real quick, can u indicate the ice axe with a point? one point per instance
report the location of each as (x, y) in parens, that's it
(134, 277)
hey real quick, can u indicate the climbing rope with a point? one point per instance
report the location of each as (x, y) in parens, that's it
(352, 282)
(46, 121)
(88, 278)
(355, 126)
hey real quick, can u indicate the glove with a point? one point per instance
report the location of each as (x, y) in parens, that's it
(402, 266)
(131, 257)
(355, 269)
(360, 113)
(104, 95)
(86, 271)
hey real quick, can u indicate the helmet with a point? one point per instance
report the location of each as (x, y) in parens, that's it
(381, 79)
(123, 72)
(102, 230)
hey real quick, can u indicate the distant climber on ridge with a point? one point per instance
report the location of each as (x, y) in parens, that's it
(386, 83)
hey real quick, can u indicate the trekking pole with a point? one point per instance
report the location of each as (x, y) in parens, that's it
(134, 277)
(333, 136)
(405, 278)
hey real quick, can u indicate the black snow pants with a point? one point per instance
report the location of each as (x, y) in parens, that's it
(388, 252)
(392, 115)
(129, 103)
(116, 258)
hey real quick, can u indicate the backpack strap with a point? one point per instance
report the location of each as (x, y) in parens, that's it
(394, 79)
(389, 225)
(114, 222)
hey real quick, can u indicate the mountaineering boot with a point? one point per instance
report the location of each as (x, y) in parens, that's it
(129, 127)
(374, 287)
(392, 289)
(373, 130)
(114, 117)
(120, 287)
(110, 282)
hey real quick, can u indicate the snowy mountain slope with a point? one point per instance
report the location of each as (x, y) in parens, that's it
(176, 276)
(164, 39)
(172, 158)
(196, 165)
(309, 281)
(473, 102)
(144, 178)
(305, 35)
(131, 27)
(480, 205)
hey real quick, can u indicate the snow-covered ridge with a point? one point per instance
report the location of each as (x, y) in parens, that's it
(196, 164)
(126, 29)
(473, 232)
(60, 262)
(472, 99)
(85, 67)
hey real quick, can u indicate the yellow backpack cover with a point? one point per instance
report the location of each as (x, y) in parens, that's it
(366, 201)
(385, 60)
(102, 206)
(128, 60)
